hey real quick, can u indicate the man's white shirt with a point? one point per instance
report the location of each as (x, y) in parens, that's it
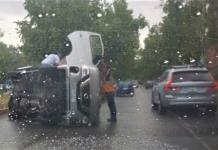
(51, 59)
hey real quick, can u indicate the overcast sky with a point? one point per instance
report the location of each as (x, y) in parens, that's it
(13, 10)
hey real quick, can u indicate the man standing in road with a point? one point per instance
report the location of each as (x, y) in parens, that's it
(109, 88)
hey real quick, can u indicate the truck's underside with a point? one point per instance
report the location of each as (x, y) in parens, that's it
(38, 94)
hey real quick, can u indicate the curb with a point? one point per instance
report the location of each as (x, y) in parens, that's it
(3, 111)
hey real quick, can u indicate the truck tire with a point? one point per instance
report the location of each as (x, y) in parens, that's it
(13, 114)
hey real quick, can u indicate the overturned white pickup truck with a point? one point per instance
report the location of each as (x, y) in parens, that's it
(69, 94)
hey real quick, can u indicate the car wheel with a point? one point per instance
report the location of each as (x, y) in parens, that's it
(154, 105)
(161, 108)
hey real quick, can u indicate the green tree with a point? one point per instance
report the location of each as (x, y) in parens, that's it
(212, 22)
(51, 21)
(178, 39)
(121, 37)
(10, 59)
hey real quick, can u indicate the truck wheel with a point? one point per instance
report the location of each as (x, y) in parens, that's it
(12, 115)
(95, 119)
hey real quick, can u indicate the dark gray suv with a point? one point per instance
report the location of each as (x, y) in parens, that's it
(185, 86)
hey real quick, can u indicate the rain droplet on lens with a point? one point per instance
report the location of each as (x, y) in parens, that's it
(198, 13)
(40, 15)
(185, 116)
(33, 26)
(99, 15)
(192, 60)
(166, 62)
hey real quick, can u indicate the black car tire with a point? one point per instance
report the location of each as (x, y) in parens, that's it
(154, 105)
(161, 109)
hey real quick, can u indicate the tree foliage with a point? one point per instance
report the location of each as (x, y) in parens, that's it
(49, 22)
(10, 59)
(178, 39)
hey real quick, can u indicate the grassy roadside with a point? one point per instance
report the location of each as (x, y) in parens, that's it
(4, 98)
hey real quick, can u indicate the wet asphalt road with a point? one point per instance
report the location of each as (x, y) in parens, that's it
(138, 127)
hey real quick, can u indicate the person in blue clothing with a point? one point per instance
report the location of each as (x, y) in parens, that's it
(52, 60)
(109, 89)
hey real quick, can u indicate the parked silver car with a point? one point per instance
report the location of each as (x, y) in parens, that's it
(185, 86)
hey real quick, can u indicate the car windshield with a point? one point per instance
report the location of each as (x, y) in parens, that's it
(108, 74)
(190, 76)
